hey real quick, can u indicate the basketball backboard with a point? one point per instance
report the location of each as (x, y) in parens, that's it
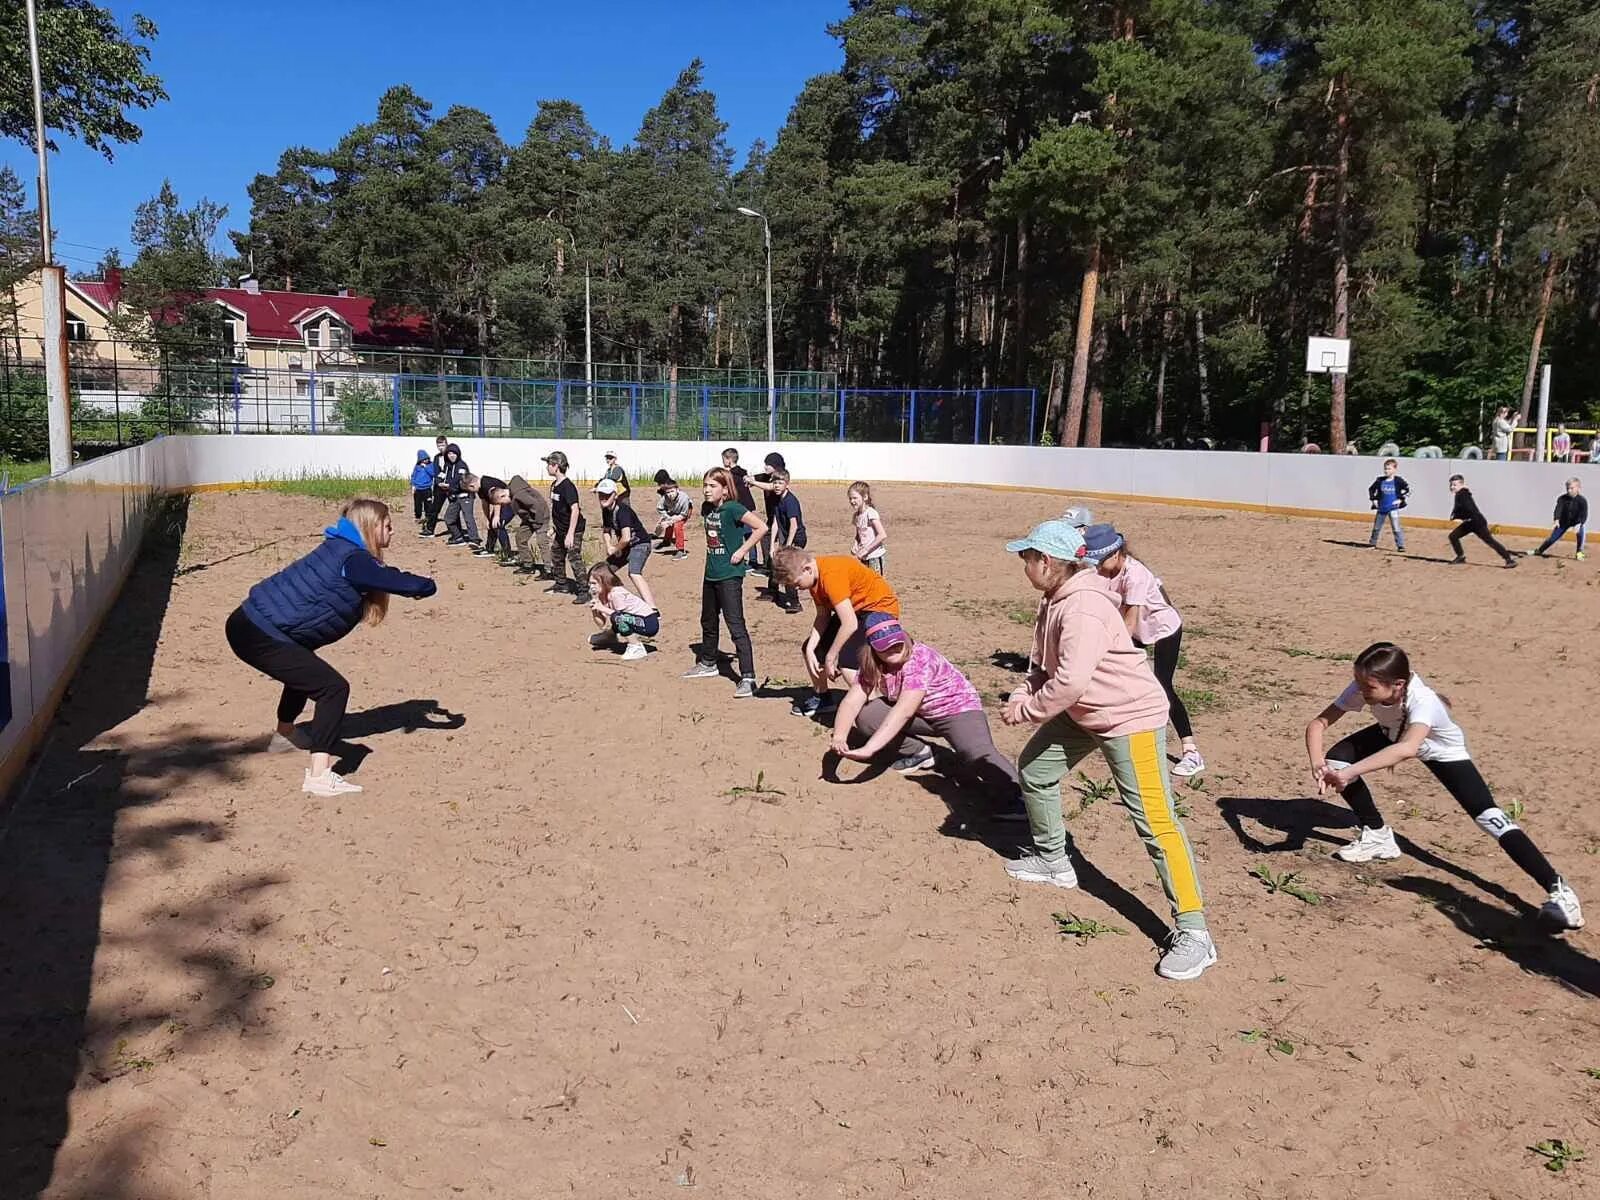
(1327, 356)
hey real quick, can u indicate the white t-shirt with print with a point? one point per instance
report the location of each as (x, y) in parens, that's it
(1420, 706)
(864, 534)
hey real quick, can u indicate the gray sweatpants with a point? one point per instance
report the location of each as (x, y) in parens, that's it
(968, 735)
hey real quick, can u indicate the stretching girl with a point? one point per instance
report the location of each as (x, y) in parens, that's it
(1414, 721)
(1152, 622)
(1093, 690)
(722, 594)
(312, 603)
(920, 693)
(620, 614)
(871, 537)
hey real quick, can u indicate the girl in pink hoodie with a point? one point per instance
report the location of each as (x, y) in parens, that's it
(1093, 689)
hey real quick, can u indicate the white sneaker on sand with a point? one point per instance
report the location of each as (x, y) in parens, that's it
(331, 784)
(1188, 953)
(1190, 764)
(1562, 910)
(634, 652)
(1031, 868)
(1372, 844)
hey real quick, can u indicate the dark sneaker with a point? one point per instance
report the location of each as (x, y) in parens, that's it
(914, 762)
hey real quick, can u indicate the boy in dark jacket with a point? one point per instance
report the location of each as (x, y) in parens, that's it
(533, 526)
(1572, 512)
(1388, 495)
(436, 496)
(422, 478)
(459, 518)
(1473, 522)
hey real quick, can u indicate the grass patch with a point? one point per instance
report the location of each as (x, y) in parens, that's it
(1199, 700)
(1558, 1154)
(1083, 928)
(1209, 673)
(21, 472)
(1288, 883)
(339, 488)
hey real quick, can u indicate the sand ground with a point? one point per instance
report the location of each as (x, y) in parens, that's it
(565, 945)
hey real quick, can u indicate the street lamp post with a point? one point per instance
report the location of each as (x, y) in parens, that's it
(772, 373)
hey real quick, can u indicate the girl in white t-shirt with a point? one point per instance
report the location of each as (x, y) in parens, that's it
(1151, 621)
(871, 537)
(1414, 721)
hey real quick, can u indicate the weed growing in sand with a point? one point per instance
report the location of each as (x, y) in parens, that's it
(338, 487)
(127, 1060)
(1091, 790)
(1287, 882)
(1199, 700)
(1592, 1072)
(1514, 808)
(1083, 928)
(1558, 1155)
(759, 791)
(1275, 1043)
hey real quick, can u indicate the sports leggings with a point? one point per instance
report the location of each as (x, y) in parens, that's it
(1478, 527)
(1166, 665)
(304, 677)
(1462, 780)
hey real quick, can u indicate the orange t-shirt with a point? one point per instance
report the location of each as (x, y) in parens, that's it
(841, 578)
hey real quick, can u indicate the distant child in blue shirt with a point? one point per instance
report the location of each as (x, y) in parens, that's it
(1388, 495)
(788, 529)
(423, 476)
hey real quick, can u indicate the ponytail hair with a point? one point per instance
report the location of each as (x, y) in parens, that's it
(368, 516)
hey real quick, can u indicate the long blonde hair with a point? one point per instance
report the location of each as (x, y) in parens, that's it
(368, 517)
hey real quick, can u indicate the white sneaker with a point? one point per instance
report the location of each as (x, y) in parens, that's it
(1372, 844)
(1031, 868)
(331, 784)
(1190, 764)
(1189, 952)
(1562, 910)
(634, 652)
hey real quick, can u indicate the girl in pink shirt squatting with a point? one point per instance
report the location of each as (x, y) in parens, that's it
(1093, 690)
(1152, 622)
(921, 693)
(621, 615)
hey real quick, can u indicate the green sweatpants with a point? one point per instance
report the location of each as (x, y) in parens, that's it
(1138, 763)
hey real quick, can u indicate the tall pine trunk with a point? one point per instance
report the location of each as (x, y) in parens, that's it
(1202, 372)
(1547, 290)
(1052, 403)
(1081, 347)
(1341, 261)
(1097, 371)
(1020, 333)
(1161, 371)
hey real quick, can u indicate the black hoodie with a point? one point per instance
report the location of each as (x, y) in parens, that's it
(1572, 510)
(455, 473)
(1466, 508)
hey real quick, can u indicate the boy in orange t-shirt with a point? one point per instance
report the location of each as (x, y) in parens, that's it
(844, 590)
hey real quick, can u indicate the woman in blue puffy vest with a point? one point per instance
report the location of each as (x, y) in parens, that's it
(310, 604)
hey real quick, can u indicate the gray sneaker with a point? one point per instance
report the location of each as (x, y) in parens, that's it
(703, 670)
(921, 760)
(1031, 868)
(746, 689)
(1189, 952)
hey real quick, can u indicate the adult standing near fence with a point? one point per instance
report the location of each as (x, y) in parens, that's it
(312, 603)
(616, 474)
(1504, 427)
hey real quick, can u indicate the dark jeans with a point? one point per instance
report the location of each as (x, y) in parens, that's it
(1559, 532)
(1479, 529)
(1166, 665)
(724, 599)
(304, 677)
(434, 505)
(968, 735)
(1462, 781)
(419, 503)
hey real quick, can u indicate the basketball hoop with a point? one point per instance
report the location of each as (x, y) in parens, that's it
(1327, 356)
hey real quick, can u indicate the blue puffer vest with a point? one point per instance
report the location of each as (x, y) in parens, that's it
(310, 602)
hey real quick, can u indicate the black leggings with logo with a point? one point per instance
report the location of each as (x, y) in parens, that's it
(1463, 781)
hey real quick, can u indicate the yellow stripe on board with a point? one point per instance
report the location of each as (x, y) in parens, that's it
(1145, 752)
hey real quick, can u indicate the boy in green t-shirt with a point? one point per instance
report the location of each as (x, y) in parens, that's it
(722, 594)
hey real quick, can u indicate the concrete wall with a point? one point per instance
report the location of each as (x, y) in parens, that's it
(67, 545)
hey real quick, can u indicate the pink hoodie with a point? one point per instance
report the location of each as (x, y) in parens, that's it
(1089, 667)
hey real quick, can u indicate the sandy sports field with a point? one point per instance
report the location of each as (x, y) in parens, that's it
(596, 931)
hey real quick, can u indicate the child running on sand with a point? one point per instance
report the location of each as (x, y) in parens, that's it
(1094, 690)
(1414, 721)
(623, 616)
(722, 594)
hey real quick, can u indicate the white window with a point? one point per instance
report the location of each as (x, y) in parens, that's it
(328, 389)
(313, 337)
(77, 330)
(301, 387)
(338, 336)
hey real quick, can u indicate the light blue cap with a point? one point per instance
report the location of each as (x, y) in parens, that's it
(1056, 538)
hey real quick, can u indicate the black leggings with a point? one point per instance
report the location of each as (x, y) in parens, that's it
(419, 503)
(1462, 780)
(1166, 664)
(724, 599)
(304, 677)
(1480, 529)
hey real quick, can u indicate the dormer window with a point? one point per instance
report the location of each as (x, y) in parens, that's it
(313, 337)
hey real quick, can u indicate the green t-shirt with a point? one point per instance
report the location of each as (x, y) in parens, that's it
(725, 533)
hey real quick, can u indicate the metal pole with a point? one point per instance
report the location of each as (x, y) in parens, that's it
(588, 337)
(1033, 404)
(977, 417)
(52, 281)
(772, 374)
(841, 414)
(912, 428)
(1541, 450)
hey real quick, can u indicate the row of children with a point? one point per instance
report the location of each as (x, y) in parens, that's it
(1390, 493)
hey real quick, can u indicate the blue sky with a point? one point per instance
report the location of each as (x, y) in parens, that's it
(249, 79)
